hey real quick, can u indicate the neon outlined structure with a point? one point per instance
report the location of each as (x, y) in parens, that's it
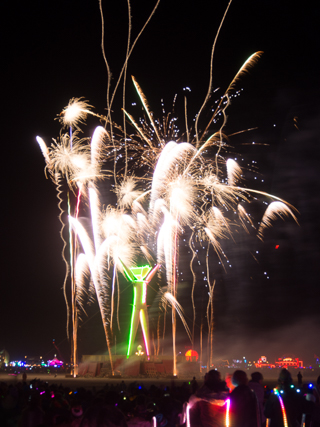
(139, 277)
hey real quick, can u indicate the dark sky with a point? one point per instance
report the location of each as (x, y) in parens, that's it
(51, 53)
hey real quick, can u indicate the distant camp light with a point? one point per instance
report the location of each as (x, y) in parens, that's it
(190, 354)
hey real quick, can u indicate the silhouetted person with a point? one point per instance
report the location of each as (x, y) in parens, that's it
(103, 416)
(257, 387)
(194, 385)
(33, 415)
(244, 405)
(208, 404)
(299, 379)
(294, 403)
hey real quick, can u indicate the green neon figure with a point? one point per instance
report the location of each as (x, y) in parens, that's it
(139, 277)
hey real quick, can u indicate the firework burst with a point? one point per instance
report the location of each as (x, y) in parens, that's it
(165, 188)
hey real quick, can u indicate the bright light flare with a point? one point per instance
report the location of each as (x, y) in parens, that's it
(70, 160)
(75, 112)
(97, 141)
(170, 165)
(115, 223)
(82, 274)
(182, 194)
(228, 413)
(234, 172)
(44, 149)
(127, 192)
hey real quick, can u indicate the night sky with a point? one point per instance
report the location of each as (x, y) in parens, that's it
(51, 53)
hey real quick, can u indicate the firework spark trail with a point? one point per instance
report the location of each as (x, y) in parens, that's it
(210, 322)
(74, 316)
(98, 137)
(180, 196)
(124, 87)
(182, 193)
(44, 150)
(244, 68)
(87, 246)
(168, 238)
(174, 255)
(178, 308)
(58, 166)
(130, 48)
(159, 172)
(73, 161)
(86, 164)
(234, 172)
(274, 210)
(72, 158)
(123, 74)
(113, 290)
(172, 156)
(115, 248)
(194, 254)
(263, 193)
(75, 242)
(146, 107)
(211, 73)
(244, 218)
(89, 251)
(215, 227)
(82, 272)
(64, 245)
(119, 231)
(165, 245)
(95, 217)
(118, 303)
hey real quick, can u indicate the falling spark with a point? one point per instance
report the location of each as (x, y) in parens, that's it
(44, 150)
(274, 210)
(234, 172)
(173, 301)
(82, 274)
(244, 217)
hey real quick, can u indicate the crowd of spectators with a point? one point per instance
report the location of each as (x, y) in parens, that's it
(39, 404)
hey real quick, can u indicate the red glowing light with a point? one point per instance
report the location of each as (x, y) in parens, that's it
(277, 247)
(190, 354)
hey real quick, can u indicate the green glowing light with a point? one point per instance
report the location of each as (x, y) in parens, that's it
(140, 273)
(132, 320)
(139, 277)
